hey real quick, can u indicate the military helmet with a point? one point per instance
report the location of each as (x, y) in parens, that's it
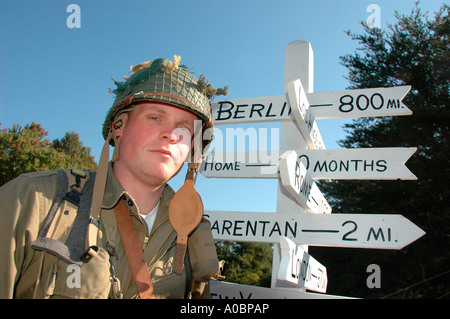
(164, 81)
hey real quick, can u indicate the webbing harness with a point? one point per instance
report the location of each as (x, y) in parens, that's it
(64, 228)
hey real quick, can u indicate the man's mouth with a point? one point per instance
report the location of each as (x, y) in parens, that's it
(162, 151)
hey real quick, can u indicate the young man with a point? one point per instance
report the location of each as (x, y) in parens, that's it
(118, 232)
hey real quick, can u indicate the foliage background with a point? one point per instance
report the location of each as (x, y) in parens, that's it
(414, 51)
(27, 149)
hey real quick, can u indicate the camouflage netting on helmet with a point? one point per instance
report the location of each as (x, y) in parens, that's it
(164, 81)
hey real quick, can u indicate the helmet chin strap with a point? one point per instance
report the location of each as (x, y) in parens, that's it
(97, 198)
(99, 189)
(186, 206)
(117, 124)
(193, 168)
(197, 156)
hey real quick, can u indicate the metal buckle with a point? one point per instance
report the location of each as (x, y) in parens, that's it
(87, 256)
(168, 267)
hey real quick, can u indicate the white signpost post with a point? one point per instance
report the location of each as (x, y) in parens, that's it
(303, 159)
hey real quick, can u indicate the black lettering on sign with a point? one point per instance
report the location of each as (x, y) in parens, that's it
(380, 101)
(354, 165)
(217, 166)
(241, 296)
(226, 226)
(299, 264)
(256, 108)
(355, 227)
(263, 228)
(381, 164)
(236, 227)
(284, 107)
(300, 180)
(294, 265)
(379, 234)
(306, 162)
(227, 110)
(393, 104)
(236, 116)
(362, 102)
(305, 269)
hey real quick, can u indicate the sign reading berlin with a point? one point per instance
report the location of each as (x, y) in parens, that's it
(323, 105)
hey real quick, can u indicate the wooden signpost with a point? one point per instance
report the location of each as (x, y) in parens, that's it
(358, 163)
(303, 216)
(348, 164)
(297, 181)
(374, 102)
(374, 231)
(241, 164)
(299, 268)
(228, 290)
(300, 110)
(359, 103)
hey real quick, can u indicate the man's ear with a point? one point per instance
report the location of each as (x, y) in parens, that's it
(119, 124)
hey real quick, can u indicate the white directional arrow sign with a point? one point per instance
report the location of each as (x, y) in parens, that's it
(300, 107)
(241, 164)
(299, 184)
(358, 163)
(228, 290)
(350, 164)
(299, 268)
(254, 109)
(333, 230)
(359, 103)
(323, 105)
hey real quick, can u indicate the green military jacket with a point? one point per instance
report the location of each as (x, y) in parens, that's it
(26, 272)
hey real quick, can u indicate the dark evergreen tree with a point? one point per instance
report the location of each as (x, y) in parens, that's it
(414, 51)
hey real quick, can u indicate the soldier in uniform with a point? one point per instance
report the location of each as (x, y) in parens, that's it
(119, 232)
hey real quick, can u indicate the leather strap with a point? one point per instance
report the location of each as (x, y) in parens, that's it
(135, 256)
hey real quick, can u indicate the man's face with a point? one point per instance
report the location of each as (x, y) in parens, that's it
(155, 140)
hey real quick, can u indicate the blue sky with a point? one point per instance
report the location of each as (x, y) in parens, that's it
(60, 76)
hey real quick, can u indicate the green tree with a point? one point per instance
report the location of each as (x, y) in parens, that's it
(414, 51)
(27, 149)
(246, 263)
(76, 154)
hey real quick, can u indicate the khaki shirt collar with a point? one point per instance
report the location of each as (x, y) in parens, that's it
(114, 191)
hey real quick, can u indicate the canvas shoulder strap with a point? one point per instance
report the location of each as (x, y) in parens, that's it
(65, 226)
